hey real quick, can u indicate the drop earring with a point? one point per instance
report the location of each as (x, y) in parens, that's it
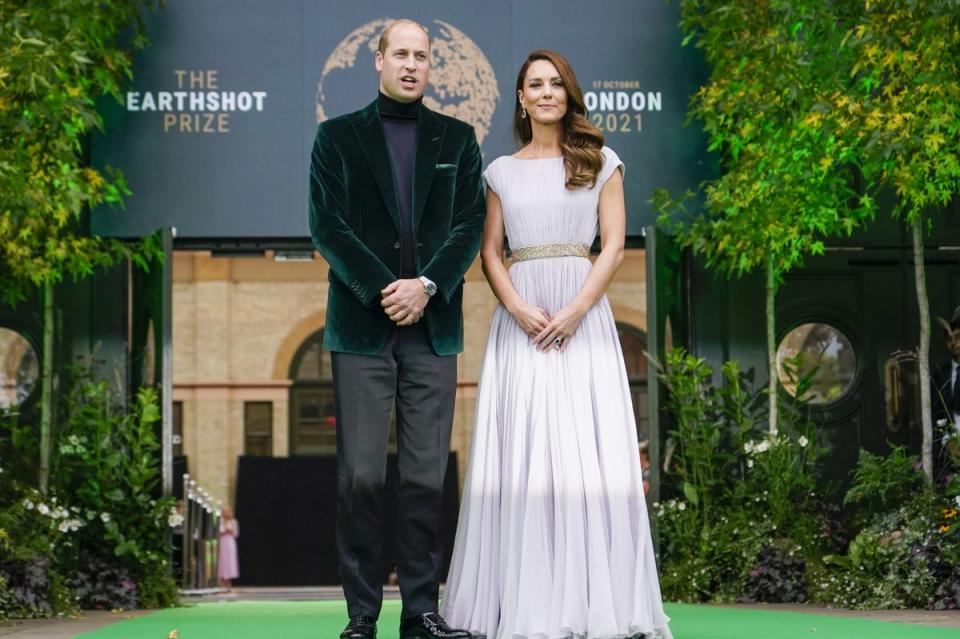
(523, 112)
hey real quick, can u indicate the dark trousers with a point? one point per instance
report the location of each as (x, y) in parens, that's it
(423, 386)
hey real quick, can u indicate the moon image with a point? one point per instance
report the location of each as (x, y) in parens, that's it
(461, 81)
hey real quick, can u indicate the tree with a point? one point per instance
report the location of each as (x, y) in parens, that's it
(57, 58)
(903, 100)
(785, 181)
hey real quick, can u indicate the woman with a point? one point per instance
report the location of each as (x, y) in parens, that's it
(553, 538)
(228, 566)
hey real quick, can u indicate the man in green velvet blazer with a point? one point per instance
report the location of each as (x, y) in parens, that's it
(397, 210)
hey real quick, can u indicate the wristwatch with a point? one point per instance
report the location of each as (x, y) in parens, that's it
(428, 286)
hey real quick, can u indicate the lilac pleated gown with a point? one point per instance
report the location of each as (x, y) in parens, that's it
(553, 537)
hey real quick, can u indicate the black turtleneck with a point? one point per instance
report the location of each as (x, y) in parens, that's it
(400, 128)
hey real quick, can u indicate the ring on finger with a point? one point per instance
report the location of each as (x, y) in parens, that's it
(558, 342)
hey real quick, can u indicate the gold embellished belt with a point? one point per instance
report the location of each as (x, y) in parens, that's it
(549, 250)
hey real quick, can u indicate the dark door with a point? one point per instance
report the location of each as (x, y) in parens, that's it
(852, 312)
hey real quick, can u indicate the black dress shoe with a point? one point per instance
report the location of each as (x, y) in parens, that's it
(360, 627)
(430, 625)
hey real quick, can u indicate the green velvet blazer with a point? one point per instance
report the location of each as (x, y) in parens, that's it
(355, 224)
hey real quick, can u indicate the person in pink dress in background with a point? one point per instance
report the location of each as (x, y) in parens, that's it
(229, 566)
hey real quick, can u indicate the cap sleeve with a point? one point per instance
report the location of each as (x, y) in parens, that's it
(611, 162)
(490, 177)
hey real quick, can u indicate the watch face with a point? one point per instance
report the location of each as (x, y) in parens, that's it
(431, 288)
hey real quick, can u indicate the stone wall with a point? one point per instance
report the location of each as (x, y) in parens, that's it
(238, 322)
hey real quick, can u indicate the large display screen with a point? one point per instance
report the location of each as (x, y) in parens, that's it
(214, 134)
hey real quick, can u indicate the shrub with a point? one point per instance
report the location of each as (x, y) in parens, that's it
(731, 485)
(107, 463)
(779, 576)
(100, 585)
(882, 483)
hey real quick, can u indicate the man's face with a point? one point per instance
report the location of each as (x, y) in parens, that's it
(404, 66)
(953, 344)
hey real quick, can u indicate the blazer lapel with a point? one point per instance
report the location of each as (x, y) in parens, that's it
(369, 130)
(430, 133)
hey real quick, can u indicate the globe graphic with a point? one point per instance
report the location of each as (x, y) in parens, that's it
(461, 82)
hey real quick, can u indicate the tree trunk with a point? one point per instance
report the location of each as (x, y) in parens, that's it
(772, 346)
(923, 352)
(46, 389)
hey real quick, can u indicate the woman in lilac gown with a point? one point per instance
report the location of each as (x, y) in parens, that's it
(553, 537)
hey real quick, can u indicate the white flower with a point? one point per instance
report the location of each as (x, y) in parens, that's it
(73, 439)
(803, 441)
(941, 423)
(749, 463)
(28, 504)
(70, 525)
(43, 509)
(682, 506)
(1, 470)
(763, 446)
(957, 500)
(174, 520)
(105, 517)
(748, 448)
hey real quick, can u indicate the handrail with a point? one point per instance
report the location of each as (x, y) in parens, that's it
(201, 538)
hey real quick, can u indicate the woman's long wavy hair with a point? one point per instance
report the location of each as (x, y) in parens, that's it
(580, 141)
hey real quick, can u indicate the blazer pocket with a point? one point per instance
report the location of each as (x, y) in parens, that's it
(446, 169)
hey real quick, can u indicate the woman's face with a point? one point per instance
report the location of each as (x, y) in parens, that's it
(543, 94)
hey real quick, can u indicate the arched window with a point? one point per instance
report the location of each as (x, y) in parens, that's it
(313, 415)
(633, 342)
(313, 408)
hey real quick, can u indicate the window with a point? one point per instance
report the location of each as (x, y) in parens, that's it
(19, 368)
(313, 415)
(633, 343)
(313, 411)
(177, 428)
(258, 428)
(820, 350)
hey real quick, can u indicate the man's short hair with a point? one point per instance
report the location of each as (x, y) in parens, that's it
(385, 34)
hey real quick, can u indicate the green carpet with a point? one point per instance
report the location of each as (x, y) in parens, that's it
(325, 620)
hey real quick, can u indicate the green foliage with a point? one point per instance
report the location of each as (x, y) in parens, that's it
(891, 563)
(103, 510)
(33, 530)
(57, 58)
(787, 171)
(107, 463)
(7, 600)
(771, 533)
(733, 488)
(786, 179)
(903, 99)
(880, 484)
(907, 545)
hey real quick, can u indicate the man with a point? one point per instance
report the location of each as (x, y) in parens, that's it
(397, 210)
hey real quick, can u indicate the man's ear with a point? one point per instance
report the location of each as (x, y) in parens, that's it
(378, 61)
